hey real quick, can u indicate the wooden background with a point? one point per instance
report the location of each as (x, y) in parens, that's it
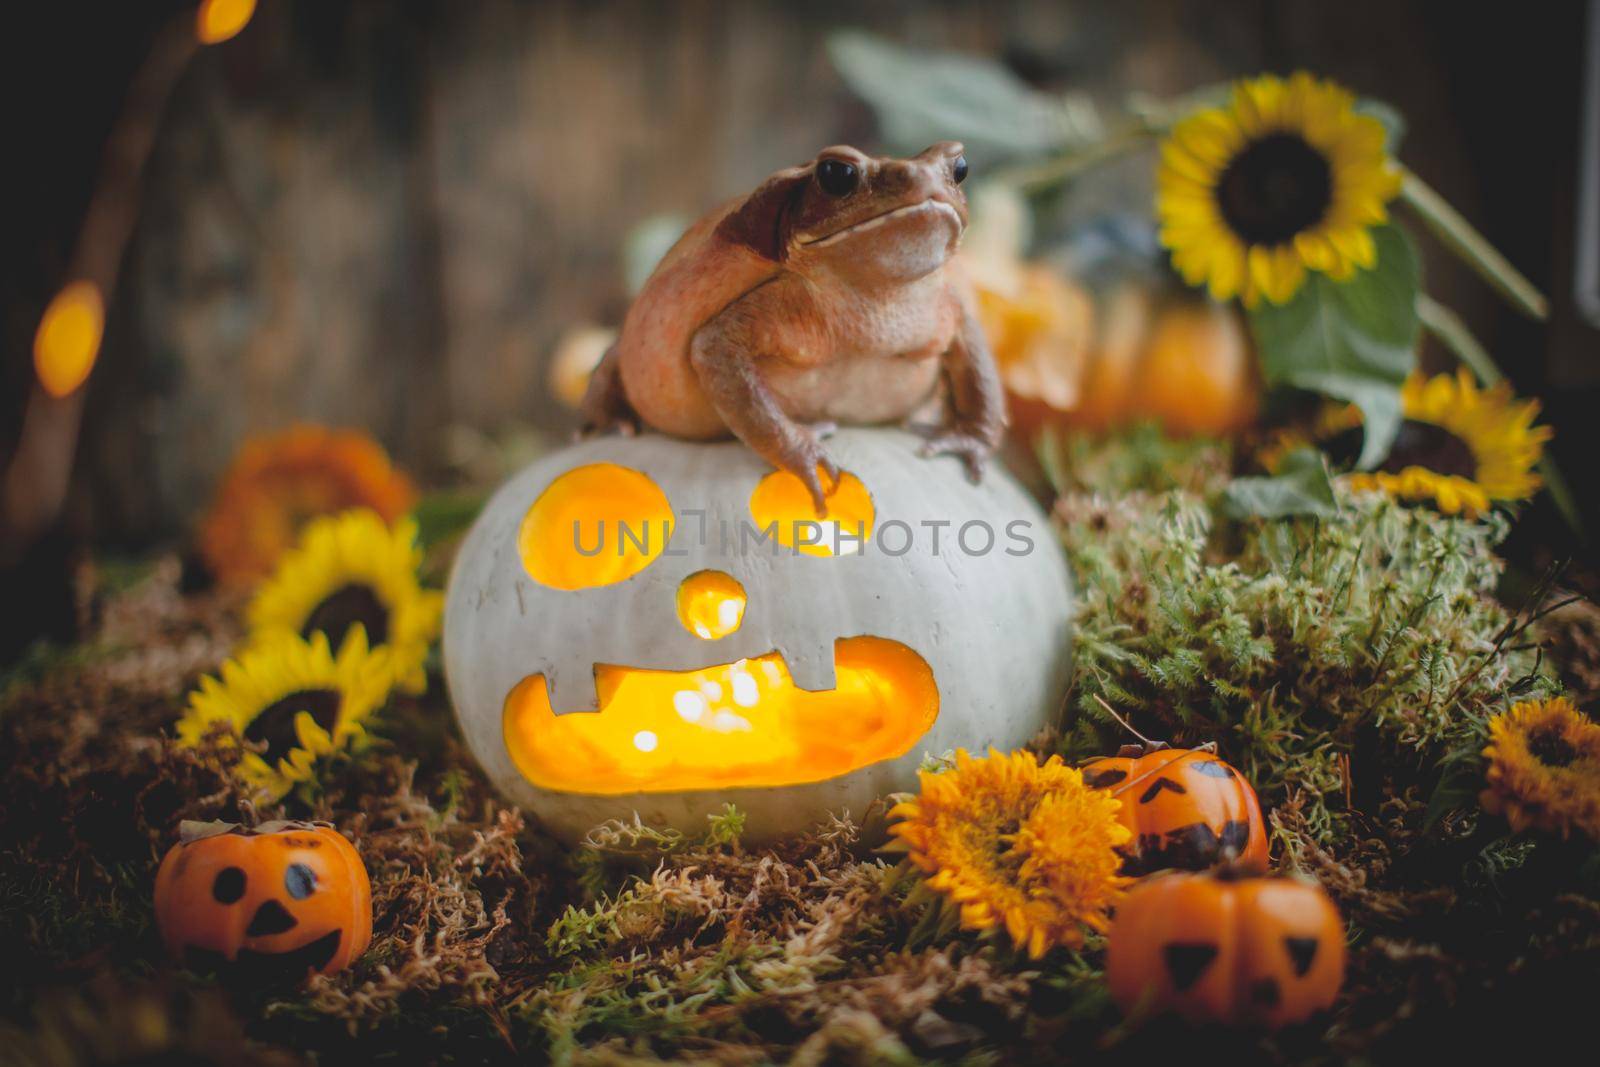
(384, 214)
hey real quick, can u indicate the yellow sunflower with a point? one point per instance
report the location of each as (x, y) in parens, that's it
(1460, 448)
(295, 697)
(354, 569)
(1286, 178)
(1544, 767)
(1017, 844)
(278, 482)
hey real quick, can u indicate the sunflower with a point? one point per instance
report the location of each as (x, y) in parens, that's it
(295, 697)
(1544, 767)
(1017, 844)
(1286, 178)
(354, 569)
(278, 482)
(1460, 448)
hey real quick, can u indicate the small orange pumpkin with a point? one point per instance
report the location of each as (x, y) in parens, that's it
(1226, 947)
(283, 900)
(1185, 807)
(1190, 369)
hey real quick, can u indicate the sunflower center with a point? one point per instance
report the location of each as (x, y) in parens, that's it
(345, 607)
(1418, 444)
(1276, 187)
(275, 723)
(1550, 748)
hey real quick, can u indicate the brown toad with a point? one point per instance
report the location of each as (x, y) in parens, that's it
(831, 294)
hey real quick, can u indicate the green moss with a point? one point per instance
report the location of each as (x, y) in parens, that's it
(1327, 657)
(1346, 665)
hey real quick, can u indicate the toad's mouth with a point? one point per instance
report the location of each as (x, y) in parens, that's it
(932, 207)
(741, 724)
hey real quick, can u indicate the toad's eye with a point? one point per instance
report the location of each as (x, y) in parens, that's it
(837, 177)
(959, 172)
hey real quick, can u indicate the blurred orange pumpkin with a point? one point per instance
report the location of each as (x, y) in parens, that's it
(1064, 357)
(1224, 948)
(283, 900)
(1188, 367)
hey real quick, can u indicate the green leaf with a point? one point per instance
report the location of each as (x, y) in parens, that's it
(1354, 340)
(921, 97)
(1301, 487)
(1394, 123)
(443, 515)
(1458, 788)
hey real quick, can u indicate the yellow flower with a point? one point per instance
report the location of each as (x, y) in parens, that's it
(1460, 447)
(353, 569)
(1286, 178)
(278, 482)
(1544, 767)
(295, 697)
(1040, 328)
(1018, 845)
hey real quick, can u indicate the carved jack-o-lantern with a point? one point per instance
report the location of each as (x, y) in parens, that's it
(600, 669)
(1226, 948)
(280, 901)
(276, 901)
(1187, 809)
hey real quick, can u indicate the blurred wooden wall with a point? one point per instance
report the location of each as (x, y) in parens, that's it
(384, 214)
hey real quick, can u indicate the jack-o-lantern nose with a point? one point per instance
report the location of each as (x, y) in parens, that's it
(270, 918)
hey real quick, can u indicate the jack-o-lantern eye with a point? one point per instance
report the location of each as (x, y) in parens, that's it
(782, 509)
(711, 604)
(228, 886)
(299, 881)
(595, 525)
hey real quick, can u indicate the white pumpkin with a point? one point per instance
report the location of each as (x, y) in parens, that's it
(728, 667)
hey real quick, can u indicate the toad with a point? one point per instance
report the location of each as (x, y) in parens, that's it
(831, 294)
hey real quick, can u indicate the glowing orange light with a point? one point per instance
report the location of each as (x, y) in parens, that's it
(711, 604)
(220, 20)
(783, 499)
(740, 724)
(68, 341)
(595, 525)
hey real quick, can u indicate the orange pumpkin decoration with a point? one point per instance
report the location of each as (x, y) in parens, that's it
(283, 900)
(1185, 807)
(1226, 948)
(1191, 369)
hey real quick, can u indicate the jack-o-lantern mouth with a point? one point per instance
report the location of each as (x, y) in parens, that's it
(268, 967)
(741, 724)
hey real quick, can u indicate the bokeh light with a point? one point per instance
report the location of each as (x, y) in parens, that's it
(68, 341)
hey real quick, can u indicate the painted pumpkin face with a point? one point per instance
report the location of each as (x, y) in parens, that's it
(1239, 950)
(281, 901)
(1187, 809)
(661, 626)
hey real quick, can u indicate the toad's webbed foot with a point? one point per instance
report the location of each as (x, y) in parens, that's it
(972, 449)
(813, 466)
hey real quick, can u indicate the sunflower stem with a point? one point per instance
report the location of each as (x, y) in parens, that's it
(1055, 170)
(1447, 326)
(1470, 246)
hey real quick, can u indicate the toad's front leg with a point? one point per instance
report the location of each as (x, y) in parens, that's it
(605, 406)
(728, 356)
(977, 418)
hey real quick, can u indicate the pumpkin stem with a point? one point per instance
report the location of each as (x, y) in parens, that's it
(1151, 746)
